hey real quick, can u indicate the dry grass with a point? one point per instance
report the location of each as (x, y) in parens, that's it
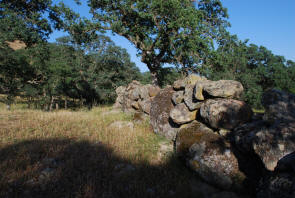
(76, 154)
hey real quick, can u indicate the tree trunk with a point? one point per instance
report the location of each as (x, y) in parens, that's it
(51, 103)
(8, 107)
(66, 103)
(155, 80)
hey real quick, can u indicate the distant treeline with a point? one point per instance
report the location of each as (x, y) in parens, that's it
(86, 67)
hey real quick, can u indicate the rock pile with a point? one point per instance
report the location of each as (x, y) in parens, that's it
(135, 97)
(218, 136)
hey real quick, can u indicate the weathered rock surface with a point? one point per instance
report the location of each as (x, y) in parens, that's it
(280, 183)
(180, 114)
(189, 80)
(189, 98)
(135, 97)
(177, 97)
(159, 115)
(269, 142)
(212, 159)
(225, 113)
(278, 105)
(153, 90)
(189, 134)
(220, 89)
(145, 105)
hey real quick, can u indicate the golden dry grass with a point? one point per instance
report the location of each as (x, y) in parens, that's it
(76, 154)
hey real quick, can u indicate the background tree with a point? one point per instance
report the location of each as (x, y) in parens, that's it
(163, 31)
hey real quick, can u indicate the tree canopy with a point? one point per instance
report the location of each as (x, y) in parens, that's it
(163, 31)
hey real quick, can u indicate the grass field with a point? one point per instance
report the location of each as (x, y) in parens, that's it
(76, 154)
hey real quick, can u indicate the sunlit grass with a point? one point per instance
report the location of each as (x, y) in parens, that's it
(90, 153)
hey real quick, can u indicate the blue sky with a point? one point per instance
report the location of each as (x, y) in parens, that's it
(270, 23)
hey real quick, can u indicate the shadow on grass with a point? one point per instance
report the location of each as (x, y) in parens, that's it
(69, 168)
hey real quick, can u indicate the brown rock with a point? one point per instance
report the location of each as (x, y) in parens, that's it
(159, 115)
(153, 90)
(225, 113)
(189, 134)
(177, 97)
(180, 114)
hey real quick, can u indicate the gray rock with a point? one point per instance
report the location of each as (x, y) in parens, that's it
(177, 97)
(278, 106)
(189, 98)
(145, 105)
(269, 142)
(179, 84)
(211, 157)
(180, 114)
(225, 113)
(223, 88)
(159, 115)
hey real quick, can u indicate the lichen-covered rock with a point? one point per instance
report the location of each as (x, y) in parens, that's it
(159, 115)
(145, 105)
(189, 134)
(211, 157)
(189, 80)
(281, 182)
(189, 98)
(135, 105)
(180, 114)
(153, 90)
(179, 84)
(177, 97)
(199, 91)
(223, 88)
(269, 142)
(278, 106)
(225, 113)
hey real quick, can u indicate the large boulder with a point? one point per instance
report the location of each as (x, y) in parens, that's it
(145, 105)
(189, 134)
(225, 113)
(220, 89)
(280, 183)
(269, 142)
(120, 91)
(210, 156)
(180, 114)
(159, 114)
(278, 106)
(189, 98)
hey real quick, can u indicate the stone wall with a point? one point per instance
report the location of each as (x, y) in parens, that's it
(218, 136)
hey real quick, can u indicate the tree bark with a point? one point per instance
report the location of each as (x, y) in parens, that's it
(155, 80)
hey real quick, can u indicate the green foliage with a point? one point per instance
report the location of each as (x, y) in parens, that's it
(255, 67)
(163, 31)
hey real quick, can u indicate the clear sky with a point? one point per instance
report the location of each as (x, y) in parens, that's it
(270, 23)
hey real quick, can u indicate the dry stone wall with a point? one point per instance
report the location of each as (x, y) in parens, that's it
(218, 136)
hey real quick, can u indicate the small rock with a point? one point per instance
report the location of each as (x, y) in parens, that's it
(178, 97)
(189, 98)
